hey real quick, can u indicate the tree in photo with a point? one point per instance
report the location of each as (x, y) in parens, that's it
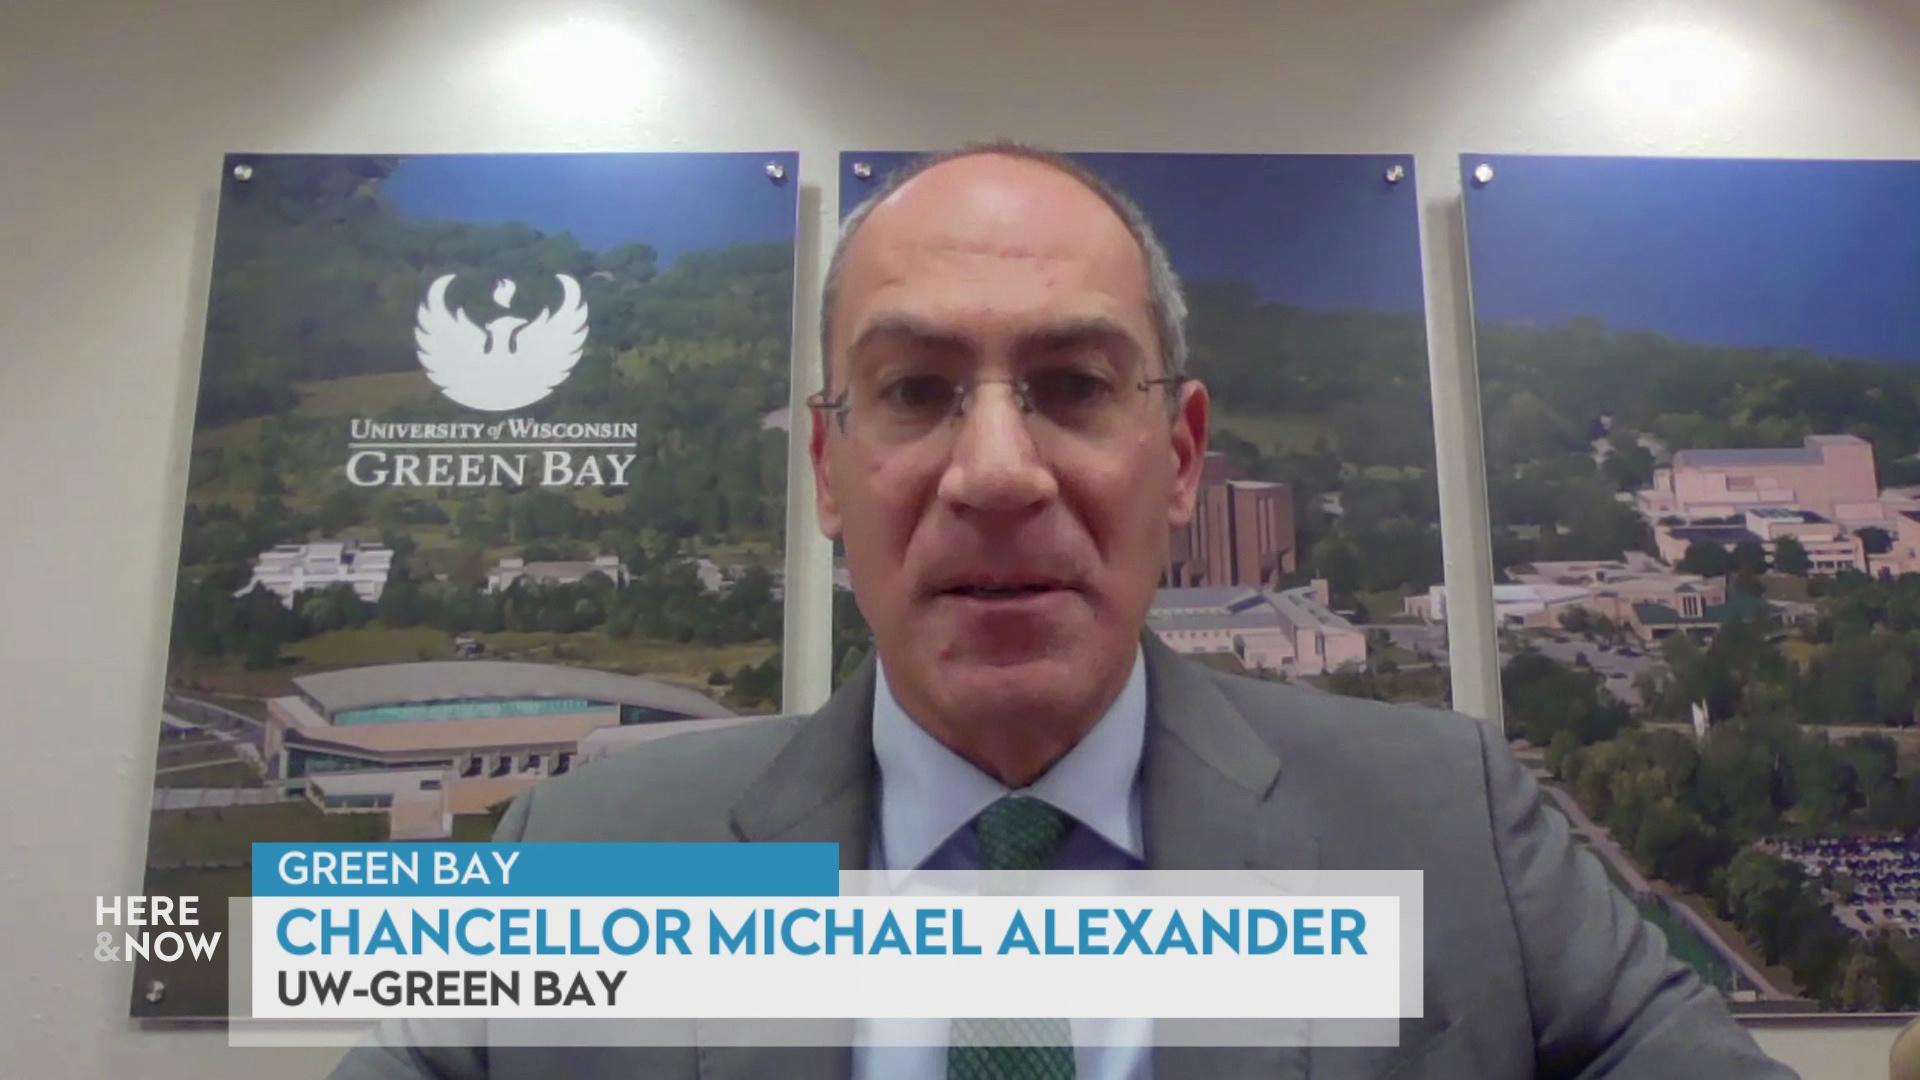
(1706, 559)
(1790, 557)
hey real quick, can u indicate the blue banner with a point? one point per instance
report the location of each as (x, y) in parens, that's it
(447, 869)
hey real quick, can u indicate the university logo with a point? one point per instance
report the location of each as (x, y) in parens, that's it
(508, 363)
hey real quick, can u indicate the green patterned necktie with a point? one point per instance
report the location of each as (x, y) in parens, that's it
(1016, 833)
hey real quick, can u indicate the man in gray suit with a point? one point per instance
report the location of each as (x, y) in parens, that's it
(1006, 436)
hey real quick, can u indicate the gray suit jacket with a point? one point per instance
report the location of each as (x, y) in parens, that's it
(1535, 964)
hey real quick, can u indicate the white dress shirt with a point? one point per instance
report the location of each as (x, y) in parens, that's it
(928, 796)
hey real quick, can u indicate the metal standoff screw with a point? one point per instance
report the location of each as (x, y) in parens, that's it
(1483, 174)
(157, 989)
(776, 172)
(863, 170)
(1396, 173)
(243, 172)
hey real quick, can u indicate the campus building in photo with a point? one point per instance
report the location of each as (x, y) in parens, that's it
(510, 571)
(1830, 475)
(1824, 494)
(1830, 548)
(426, 741)
(1637, 592)
(1292, 632)
(1241, 534)
(286, 570)
(1904, 557)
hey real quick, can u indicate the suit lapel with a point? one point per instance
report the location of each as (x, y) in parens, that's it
(819, 788)
(1214, 798)
(1212, 790)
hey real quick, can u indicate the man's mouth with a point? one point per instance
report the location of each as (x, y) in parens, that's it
(1001, 592)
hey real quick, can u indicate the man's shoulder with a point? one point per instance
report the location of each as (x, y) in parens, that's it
(1313, 728)
(1389, 785)
(679, 787)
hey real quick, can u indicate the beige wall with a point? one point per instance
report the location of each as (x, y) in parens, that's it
(114, 117)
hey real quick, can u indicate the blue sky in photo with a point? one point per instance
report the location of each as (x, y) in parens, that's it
(1820, 255)
(674, 202)
(1318, 231)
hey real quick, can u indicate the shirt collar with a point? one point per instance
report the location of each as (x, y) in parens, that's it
(928, 793)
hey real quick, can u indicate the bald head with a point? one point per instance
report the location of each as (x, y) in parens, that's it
(1009, 202)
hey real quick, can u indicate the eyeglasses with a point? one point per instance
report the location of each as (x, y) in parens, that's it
(1082, 405)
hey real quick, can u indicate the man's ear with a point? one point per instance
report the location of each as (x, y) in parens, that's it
(1189, 449)
(824, 507)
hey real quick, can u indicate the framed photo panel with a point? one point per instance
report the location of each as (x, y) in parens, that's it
(1701, 388)
(487, 481)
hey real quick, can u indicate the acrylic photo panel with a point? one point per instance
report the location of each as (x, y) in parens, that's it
(1701, 388)
(487, 481)
(1316, 542)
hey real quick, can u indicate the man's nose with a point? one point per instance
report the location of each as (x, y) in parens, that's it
(996, 466)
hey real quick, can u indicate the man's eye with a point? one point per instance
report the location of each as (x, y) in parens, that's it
(919, 393)
(1068, 389)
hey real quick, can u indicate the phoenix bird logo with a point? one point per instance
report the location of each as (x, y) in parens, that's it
(508, 363)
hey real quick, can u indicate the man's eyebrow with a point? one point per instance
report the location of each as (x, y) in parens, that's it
(900, 328)
(1078, 332)
(910, 330)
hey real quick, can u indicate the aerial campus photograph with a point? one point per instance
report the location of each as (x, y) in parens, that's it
(487, 479)
(1700, 383)
(1318, 518)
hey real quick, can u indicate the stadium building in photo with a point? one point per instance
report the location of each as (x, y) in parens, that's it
(424, 742)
